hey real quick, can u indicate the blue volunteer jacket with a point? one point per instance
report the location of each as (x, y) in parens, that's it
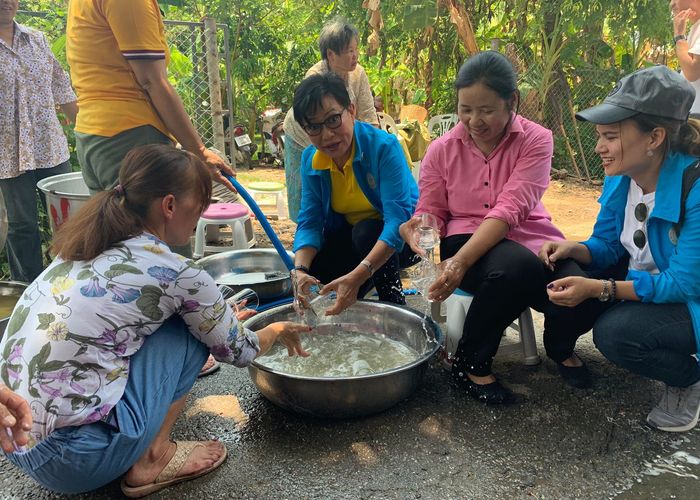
(384, 177)
(678, 259)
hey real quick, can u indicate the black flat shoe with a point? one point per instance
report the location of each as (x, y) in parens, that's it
(491, 394)
(576, 376)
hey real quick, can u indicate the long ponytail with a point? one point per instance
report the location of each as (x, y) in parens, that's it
(147, 174)
(680, 136)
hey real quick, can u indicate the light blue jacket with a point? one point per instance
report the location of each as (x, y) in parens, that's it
(678, 280)
(384, 177)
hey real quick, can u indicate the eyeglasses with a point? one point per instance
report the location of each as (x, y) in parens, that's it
(332, 123)
(639, 237)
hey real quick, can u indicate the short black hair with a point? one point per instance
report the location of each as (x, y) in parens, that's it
(492, 69)
(312, 90)
(336, 36)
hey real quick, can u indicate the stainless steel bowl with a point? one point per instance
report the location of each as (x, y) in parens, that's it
(342, 397)
(262, 260)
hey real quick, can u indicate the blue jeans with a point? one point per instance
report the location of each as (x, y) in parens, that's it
(23, 238)
(653, 340)
(82, 458)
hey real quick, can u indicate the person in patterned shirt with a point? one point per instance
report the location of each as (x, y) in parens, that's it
(106, 343)
(32, 144)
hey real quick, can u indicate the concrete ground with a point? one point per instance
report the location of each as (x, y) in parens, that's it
(558, 443)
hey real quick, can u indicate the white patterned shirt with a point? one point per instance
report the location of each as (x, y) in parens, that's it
(32, 84)
(69, 340)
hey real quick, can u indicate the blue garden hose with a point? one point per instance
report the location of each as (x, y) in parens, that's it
(263, 222)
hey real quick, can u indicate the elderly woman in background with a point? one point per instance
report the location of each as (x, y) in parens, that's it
(357, 191)
(338, 45)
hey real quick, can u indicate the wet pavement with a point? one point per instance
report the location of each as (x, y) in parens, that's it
(558, 442)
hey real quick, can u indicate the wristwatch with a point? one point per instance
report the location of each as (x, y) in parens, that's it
(677, 38)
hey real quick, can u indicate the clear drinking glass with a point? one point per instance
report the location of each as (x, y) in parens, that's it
(427, 233)
(427, 237)
(243, 300)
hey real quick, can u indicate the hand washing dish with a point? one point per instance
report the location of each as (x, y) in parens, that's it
(351, 396)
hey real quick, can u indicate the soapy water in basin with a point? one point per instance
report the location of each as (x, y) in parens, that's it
(246, 279)
(341, 353)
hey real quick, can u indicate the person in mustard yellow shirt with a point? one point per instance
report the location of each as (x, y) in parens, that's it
(356, 191)
(118, 59)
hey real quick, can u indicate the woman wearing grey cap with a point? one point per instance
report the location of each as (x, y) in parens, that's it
(338, 46)
(647, 314)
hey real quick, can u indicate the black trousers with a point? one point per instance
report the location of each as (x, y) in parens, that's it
(505, 281)
(342, 251)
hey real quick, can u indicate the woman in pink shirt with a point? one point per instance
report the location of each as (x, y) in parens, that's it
(484, 181)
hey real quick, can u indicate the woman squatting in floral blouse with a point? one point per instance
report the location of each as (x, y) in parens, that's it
(106, 343)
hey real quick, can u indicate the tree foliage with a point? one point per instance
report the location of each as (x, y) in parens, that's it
(568, 52)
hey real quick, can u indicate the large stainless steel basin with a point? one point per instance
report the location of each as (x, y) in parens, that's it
(341, 397)
(258, 260)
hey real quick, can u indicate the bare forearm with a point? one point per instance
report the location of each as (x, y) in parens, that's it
(377, 257)
(581, 254)
(169, 107)
(487, 236)
(687, 61)
(305, 256)
(70, 109)
(625, 291)
(266, 337)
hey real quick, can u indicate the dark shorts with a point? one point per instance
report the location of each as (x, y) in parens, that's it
(100, 157)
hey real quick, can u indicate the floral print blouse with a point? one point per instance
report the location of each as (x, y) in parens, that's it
(67, 346)
(32, 84)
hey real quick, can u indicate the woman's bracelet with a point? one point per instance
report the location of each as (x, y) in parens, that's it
(605, 293)
(613, 290)
(369, 266)
(302, 268)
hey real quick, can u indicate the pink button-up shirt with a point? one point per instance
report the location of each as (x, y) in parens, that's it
(462, 187)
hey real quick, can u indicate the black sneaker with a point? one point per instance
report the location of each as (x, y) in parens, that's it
(576, 376)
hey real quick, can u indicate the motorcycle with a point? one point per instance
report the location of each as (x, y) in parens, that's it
(243, 147)
(272, 120)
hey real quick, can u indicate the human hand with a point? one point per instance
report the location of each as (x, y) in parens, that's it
(289, 334)
(450, 274)
(409, 232)
(245, 314)
(680, 20)
(218, 167)
(573, 290)
(553, 251)
(345, 288)
(303, 283)
(16, 416)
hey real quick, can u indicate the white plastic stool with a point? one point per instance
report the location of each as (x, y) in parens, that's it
(261, 189)
(234, 215)
(457, 306)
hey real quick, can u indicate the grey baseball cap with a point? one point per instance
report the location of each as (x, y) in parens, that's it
(655, 91)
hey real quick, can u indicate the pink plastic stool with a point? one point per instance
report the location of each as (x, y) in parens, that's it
(234, 215)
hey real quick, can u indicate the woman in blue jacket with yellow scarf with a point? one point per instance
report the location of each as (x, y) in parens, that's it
(648, 318)
(356, 190)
